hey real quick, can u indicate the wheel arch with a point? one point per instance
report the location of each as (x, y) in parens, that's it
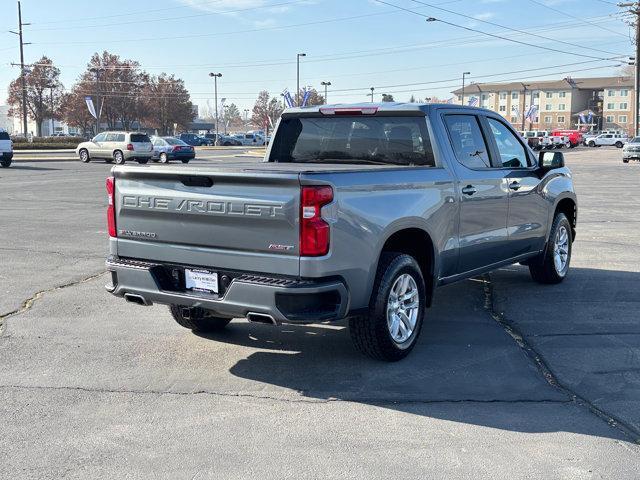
(415, 241)
(569, 207)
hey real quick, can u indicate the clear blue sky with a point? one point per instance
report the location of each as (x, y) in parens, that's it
(354, 44)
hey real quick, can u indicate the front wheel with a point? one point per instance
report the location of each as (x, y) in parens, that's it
(164, 158)
(5, 162)
(197, 319)
(552, 265)
(185, 160)
(390, 329)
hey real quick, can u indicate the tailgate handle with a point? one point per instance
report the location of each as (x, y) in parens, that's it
(196, 181)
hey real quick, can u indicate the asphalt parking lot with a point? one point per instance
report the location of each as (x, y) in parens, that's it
(510, 379)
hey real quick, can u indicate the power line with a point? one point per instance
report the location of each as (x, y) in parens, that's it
(586, 22)
(490, 34)
(487, 22)
(198, 15)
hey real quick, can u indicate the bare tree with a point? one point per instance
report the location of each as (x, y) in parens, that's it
(167, 102)
(44, 92)
(266, 111)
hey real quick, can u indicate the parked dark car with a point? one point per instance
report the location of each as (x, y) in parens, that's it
(192, 139)
(225, 140)
(171, 148)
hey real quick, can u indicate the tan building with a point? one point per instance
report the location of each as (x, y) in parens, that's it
(604, 103)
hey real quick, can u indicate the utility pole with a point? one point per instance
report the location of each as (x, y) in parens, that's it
(634, 9)
(216, 76)
(524, 104)
(325, 84)
(51, 93)
(298, 77)
(464, 75)
(23, 80)
(372, 89)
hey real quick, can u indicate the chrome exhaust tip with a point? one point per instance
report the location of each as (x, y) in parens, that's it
(263, 318)
(137, 299)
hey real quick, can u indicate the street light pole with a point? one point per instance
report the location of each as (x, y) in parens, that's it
(464, 75)
(372, 89)
(524, 104)
(298, 77)
(215, 88)
(635, 10)
(23, 80)
(326, 84)
(97, 106)
(51, 93)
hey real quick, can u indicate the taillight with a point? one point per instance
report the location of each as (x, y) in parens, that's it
(111, 211)
(129, 146)
(314, 231)
(176, 148)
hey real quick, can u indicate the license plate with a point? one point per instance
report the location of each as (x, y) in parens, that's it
(201, 280)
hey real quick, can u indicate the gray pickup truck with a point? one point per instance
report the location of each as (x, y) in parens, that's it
(357, 212)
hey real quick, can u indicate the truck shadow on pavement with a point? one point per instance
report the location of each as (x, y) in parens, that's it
(464, 357)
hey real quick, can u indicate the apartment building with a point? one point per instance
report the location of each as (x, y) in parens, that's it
(590, 103)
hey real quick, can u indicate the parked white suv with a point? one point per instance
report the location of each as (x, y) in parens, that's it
(6, 149)
(605, 139)
(117, 147)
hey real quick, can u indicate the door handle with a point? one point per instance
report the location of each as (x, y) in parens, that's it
(514, 186)
(469, 190)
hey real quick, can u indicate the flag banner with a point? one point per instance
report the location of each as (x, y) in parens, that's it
(90, 106)
(590, 117)
(473, 102)
(288, 99)
(531, 113)
(582, 118)
(305, 97)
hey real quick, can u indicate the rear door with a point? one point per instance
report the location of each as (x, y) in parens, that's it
(141, 142)
(483, 195)
(233, 219)
(528, 211)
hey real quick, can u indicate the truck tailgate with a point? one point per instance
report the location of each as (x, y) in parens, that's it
(232, 219)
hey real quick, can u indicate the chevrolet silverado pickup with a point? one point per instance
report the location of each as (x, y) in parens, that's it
(357, 212)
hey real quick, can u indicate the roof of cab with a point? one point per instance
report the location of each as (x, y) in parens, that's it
(381, 107)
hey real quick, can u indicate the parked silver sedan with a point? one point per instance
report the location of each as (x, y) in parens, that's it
(171, 148)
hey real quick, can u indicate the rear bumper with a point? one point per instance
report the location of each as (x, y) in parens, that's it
(286, 300)
(133, 155)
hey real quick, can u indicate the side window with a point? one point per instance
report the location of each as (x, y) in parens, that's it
(467, 141)
(111, 137)
(512, 153)
(120, 137)
(100, 137)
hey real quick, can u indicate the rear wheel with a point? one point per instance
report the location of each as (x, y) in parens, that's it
(619, 144)
(591, 144)
(118, 157)
(164, 158)
(84, 156)
(396, 311)
(552, 265)
(197, 319)
(625, 160)
(185, 160)
(142, 161)
(5, 162)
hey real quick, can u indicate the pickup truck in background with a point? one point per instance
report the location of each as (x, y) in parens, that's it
(571, 138)
(6, 149)
(358, 212)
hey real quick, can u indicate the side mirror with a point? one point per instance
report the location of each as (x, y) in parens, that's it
(551, 160)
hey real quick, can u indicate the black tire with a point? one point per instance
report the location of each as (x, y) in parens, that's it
(370, 332)
(591, 144)
(199, 319)
(118, 157)
(185, 160)
(543, 268)
(163, 158)
(226, 144)
(573, 145)
(625, 160)
(84, 155)
(5, 162)
(619, 144)
(143, 161)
